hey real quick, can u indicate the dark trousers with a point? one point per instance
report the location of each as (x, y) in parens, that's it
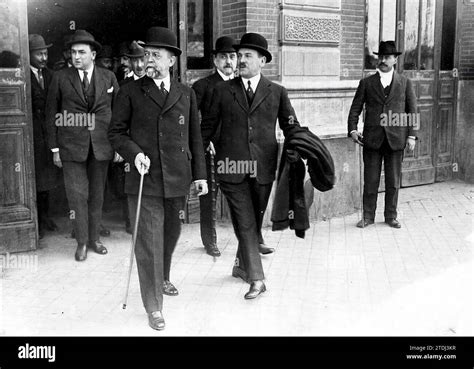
(244, 201)
(207, 208)
(84, 183)
(159, 228)
(372, 169)
(42, 201)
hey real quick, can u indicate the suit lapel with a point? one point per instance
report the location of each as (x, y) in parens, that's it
(377, 86)
(99, 81)
(237, 90)
(76, 83)
(173, 96)
(263, 90)
(393, 89)
(34, 81)
(151, 90)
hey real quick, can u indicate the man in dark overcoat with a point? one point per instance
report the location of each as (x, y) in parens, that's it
(155, 128)
(390, 125)
(225, 61)
(48, 176)
(241, 122)
(78, 113)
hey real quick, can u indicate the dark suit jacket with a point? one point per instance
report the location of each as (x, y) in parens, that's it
(204, 89)
(166, 131)
(247, 133)
(47, 174)
(401, 99)
(66, 94)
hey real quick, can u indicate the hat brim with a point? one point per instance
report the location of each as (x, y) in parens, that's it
(163, 46)
(396, 53)
(40, 47)
(230, 50)
(93, 43)
(263, 51)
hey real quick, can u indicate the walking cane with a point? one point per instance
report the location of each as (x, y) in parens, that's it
(134, 239)
(361, 186)
(213, 193)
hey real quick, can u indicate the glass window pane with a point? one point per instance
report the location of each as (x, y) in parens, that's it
(448, 35)
(427, 34)
(372, 26)
(411, 35)
(389, 20)
(199, 18)
(10, 35)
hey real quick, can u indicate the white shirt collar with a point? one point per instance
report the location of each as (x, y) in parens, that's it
(166, 81)
(130, 74)
(253, 82)
(135, 77)
(89, 73)
(224, 77)
(386, 77)
(35, 71)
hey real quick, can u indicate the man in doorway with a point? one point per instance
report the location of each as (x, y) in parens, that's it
(155, 128)
(241, 121)
(386, 95)
(225, 61)
(78, 113)
(136, 56)
(48, 176)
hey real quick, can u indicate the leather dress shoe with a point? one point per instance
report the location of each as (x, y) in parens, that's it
(364, 223)
(240, 273)
(256, 288)
(264, 250)
(81, 252)
(156, 320)
(169, 289)
(104, 232)
(212, 250)
(393, 223)
(98, 247)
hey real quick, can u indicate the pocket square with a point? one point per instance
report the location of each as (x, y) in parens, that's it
(110, 90)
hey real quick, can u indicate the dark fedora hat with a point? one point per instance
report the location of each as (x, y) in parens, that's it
(256, 42)
(36, 42)
(224, 44)
(81, 36)
(387, 48)
(161, 37)
(135, 50)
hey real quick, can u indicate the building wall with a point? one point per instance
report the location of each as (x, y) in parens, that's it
(464, 136)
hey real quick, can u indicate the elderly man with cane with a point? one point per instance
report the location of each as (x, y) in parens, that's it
(155, 127)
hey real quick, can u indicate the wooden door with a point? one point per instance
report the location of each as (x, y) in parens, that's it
(18, 218)
(417, 39)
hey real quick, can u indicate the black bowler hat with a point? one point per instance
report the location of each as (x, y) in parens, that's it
(161, 37)
(387, 48)
(224, 44)
(136, 51)
(81, 36)
(256, 42)
(36, 42)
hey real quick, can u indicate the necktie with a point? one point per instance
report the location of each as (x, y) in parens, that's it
(250, 93)
(85, 82)
(163, 89)
(40, 78)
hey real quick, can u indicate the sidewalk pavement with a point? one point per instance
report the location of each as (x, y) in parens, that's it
(339, 280)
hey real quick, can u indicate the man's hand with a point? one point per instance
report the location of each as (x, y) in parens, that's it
(211, 148)
(142, 163)
(201, 187)
(357, 137)
(57, 159)
(117, 158)
(411, 143)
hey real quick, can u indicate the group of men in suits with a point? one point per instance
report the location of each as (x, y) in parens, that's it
(152, 124)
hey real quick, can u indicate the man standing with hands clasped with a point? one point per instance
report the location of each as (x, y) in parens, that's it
(390, 122)
(155, 128)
